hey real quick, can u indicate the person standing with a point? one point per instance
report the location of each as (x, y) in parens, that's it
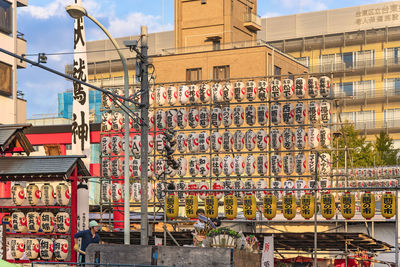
(87, 237)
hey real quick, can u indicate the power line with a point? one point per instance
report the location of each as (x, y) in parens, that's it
(72, 53)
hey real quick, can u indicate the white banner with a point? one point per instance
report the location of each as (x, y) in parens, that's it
(267, 259)
(80, 101)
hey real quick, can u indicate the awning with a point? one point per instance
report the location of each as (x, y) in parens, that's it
(13, 139)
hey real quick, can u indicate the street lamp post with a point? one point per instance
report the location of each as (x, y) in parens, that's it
(77, 12)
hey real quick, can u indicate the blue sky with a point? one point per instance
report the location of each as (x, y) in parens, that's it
(48, 29)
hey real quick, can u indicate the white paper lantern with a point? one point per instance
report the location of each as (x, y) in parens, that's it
(152, 119)
(288, 184)
(17, 248)
(105, 145)
(181, 141)
(262, 140)
(227, 92)
(261, 184)
(61, 249)
(239, 165)
(116, 192)
(238, 115)
(263, 90)
(192, 185)
(227, 165)
(116, 144)
(300, 87)
(48, 195)
(250, 165)
(183, 94)
(136, 192)
(227, 185)
(216, 117)
(193, 142)
(276, 164)
(216, 141)
(312, 162)
(262, 164)
(250, 140)
(47, 222)
(227, 141)
(276, 114)
(204, 92)
(238, 140)
(32, 248)
(182, 118)
(249, 184)
(276, 89)
(194, 94)
(161, 119)
(227, 116)
(203, 185)
(117, 121)
(182, 187)
(172, 95)
(300, 163)
(218, 185)
(288, 113)
(193, 166)
(314, 112)
(182, 170)
(136, 168)
(313, 87)
(204, 116)
(325, 136)
(239, 90)
(287, 138)
(46, 249)
(251, 114)
(160, 143)
(160, 190)
(193, 117)
(300, 112)
(106, 167)
(216, 163)
(217, 94)
(238, 184)
(17, 194)
(106, 121)
(288, 164)
(18, 222)
(300, 184)
(313, 137)
(171, 172)
(172, 118)
(161, 96)
(325, 111)
(325, 86)
(325, 163)
(62, 194)
(204, 142)
(276, 138)
(136, 122)
(204, 166)
(262, 114)
(33, 221)
(63, 222)
(288, 88)
(251, 90)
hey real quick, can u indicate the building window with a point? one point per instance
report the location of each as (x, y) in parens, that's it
(216, 44)
(392, 55)
(68, 147)
(392, 86)
(291, 76)
(193, 74)
(277, 70)
(392, 117)
(365, 120)
(5, 17)
(304, 60)
(94, 153)
(364, 58)
(364, 89)
(221, 72)
(5, 79)
(348, 59)
(203, 2)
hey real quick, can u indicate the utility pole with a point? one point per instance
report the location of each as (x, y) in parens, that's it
(144, 133)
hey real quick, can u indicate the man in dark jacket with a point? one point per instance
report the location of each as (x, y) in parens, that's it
(87, 237)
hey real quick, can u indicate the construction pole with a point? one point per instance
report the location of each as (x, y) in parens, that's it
(144, 133)
(397, 228)
(316, 210)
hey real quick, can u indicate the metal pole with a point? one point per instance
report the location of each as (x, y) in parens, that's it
(397, 228)
(144, 222)
(316, 210)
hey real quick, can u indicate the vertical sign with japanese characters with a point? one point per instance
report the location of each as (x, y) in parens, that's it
(267, 259)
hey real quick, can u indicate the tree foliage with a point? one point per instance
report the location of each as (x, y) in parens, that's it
(385, 152)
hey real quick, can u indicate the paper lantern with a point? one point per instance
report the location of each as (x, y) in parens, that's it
(117, 121)
(62, 222)
(160, 190)
(116, 144)
(18, 222)
(325, 86)
(249, 207)
(48, 196)
(217, 93)
(17, 248)
(239, 90)
(33, 194)
(238, 115)
(172, 206)
(289, 206)
(269, 206)
(161, 95)
(262, 140)
(204, 117)
(181, 186)
(172, 95)
(136, 144)
(263, 90)
(300, 138)
(288, 164)
(136, 168)
(325, 163)
(216, 165)
(33, 221)
(203, 185)
(300, 163)
(227, 185)
(106, 121)
(250, 165)
(251, 90)
(216, 141)
(388, 205)
(183, 94)
(300, 87)
(194, 94)
(262, 164)
(46, 249)
(17, 194)
(151, 119)
(287, 138)
(262, 114)
(116, 192)
(288, 184)
(217, 185)
(47, 222)
(116, 169)
(227, 116)
(307, 206)
(216, 117)
(192, 185)
(250, 140)
(277, 185)
(32, 248)
(238, 140)
(62, 194)
(204, 166)
(61, 249)
(182, 170)
(300, 112)
(367, 205)
(325, 136)
(227, 92)
(230, 207)
(193, 166)
(238, 184)
(204, 93)
(135, 124)
(204, 142)
(312, 164)
(300, 184)
(288, 88)
(325, 110)
(161, 119)
(276, 138)
(313, 87)
(328, 207)
(193, 142)
(227, 165)
(105, 191)
(182, 118)
(314, 112)
(313, 137)
(276, 89)
(276, 115)
(276, 164)
(191, 206)
(105, 145)
(347, 205)
(227, 141)
(288, 113)
(249, 184)
(239, 165)
(251, 115)
(193, 117)
(261, 184)
(172, 118)
(181, 141)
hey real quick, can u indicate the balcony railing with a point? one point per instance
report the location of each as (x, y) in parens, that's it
(374, 126)
(252, 20)
(368, 65)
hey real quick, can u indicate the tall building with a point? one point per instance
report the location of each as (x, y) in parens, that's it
(11, 100)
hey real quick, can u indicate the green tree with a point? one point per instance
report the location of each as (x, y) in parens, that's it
(385, 152)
